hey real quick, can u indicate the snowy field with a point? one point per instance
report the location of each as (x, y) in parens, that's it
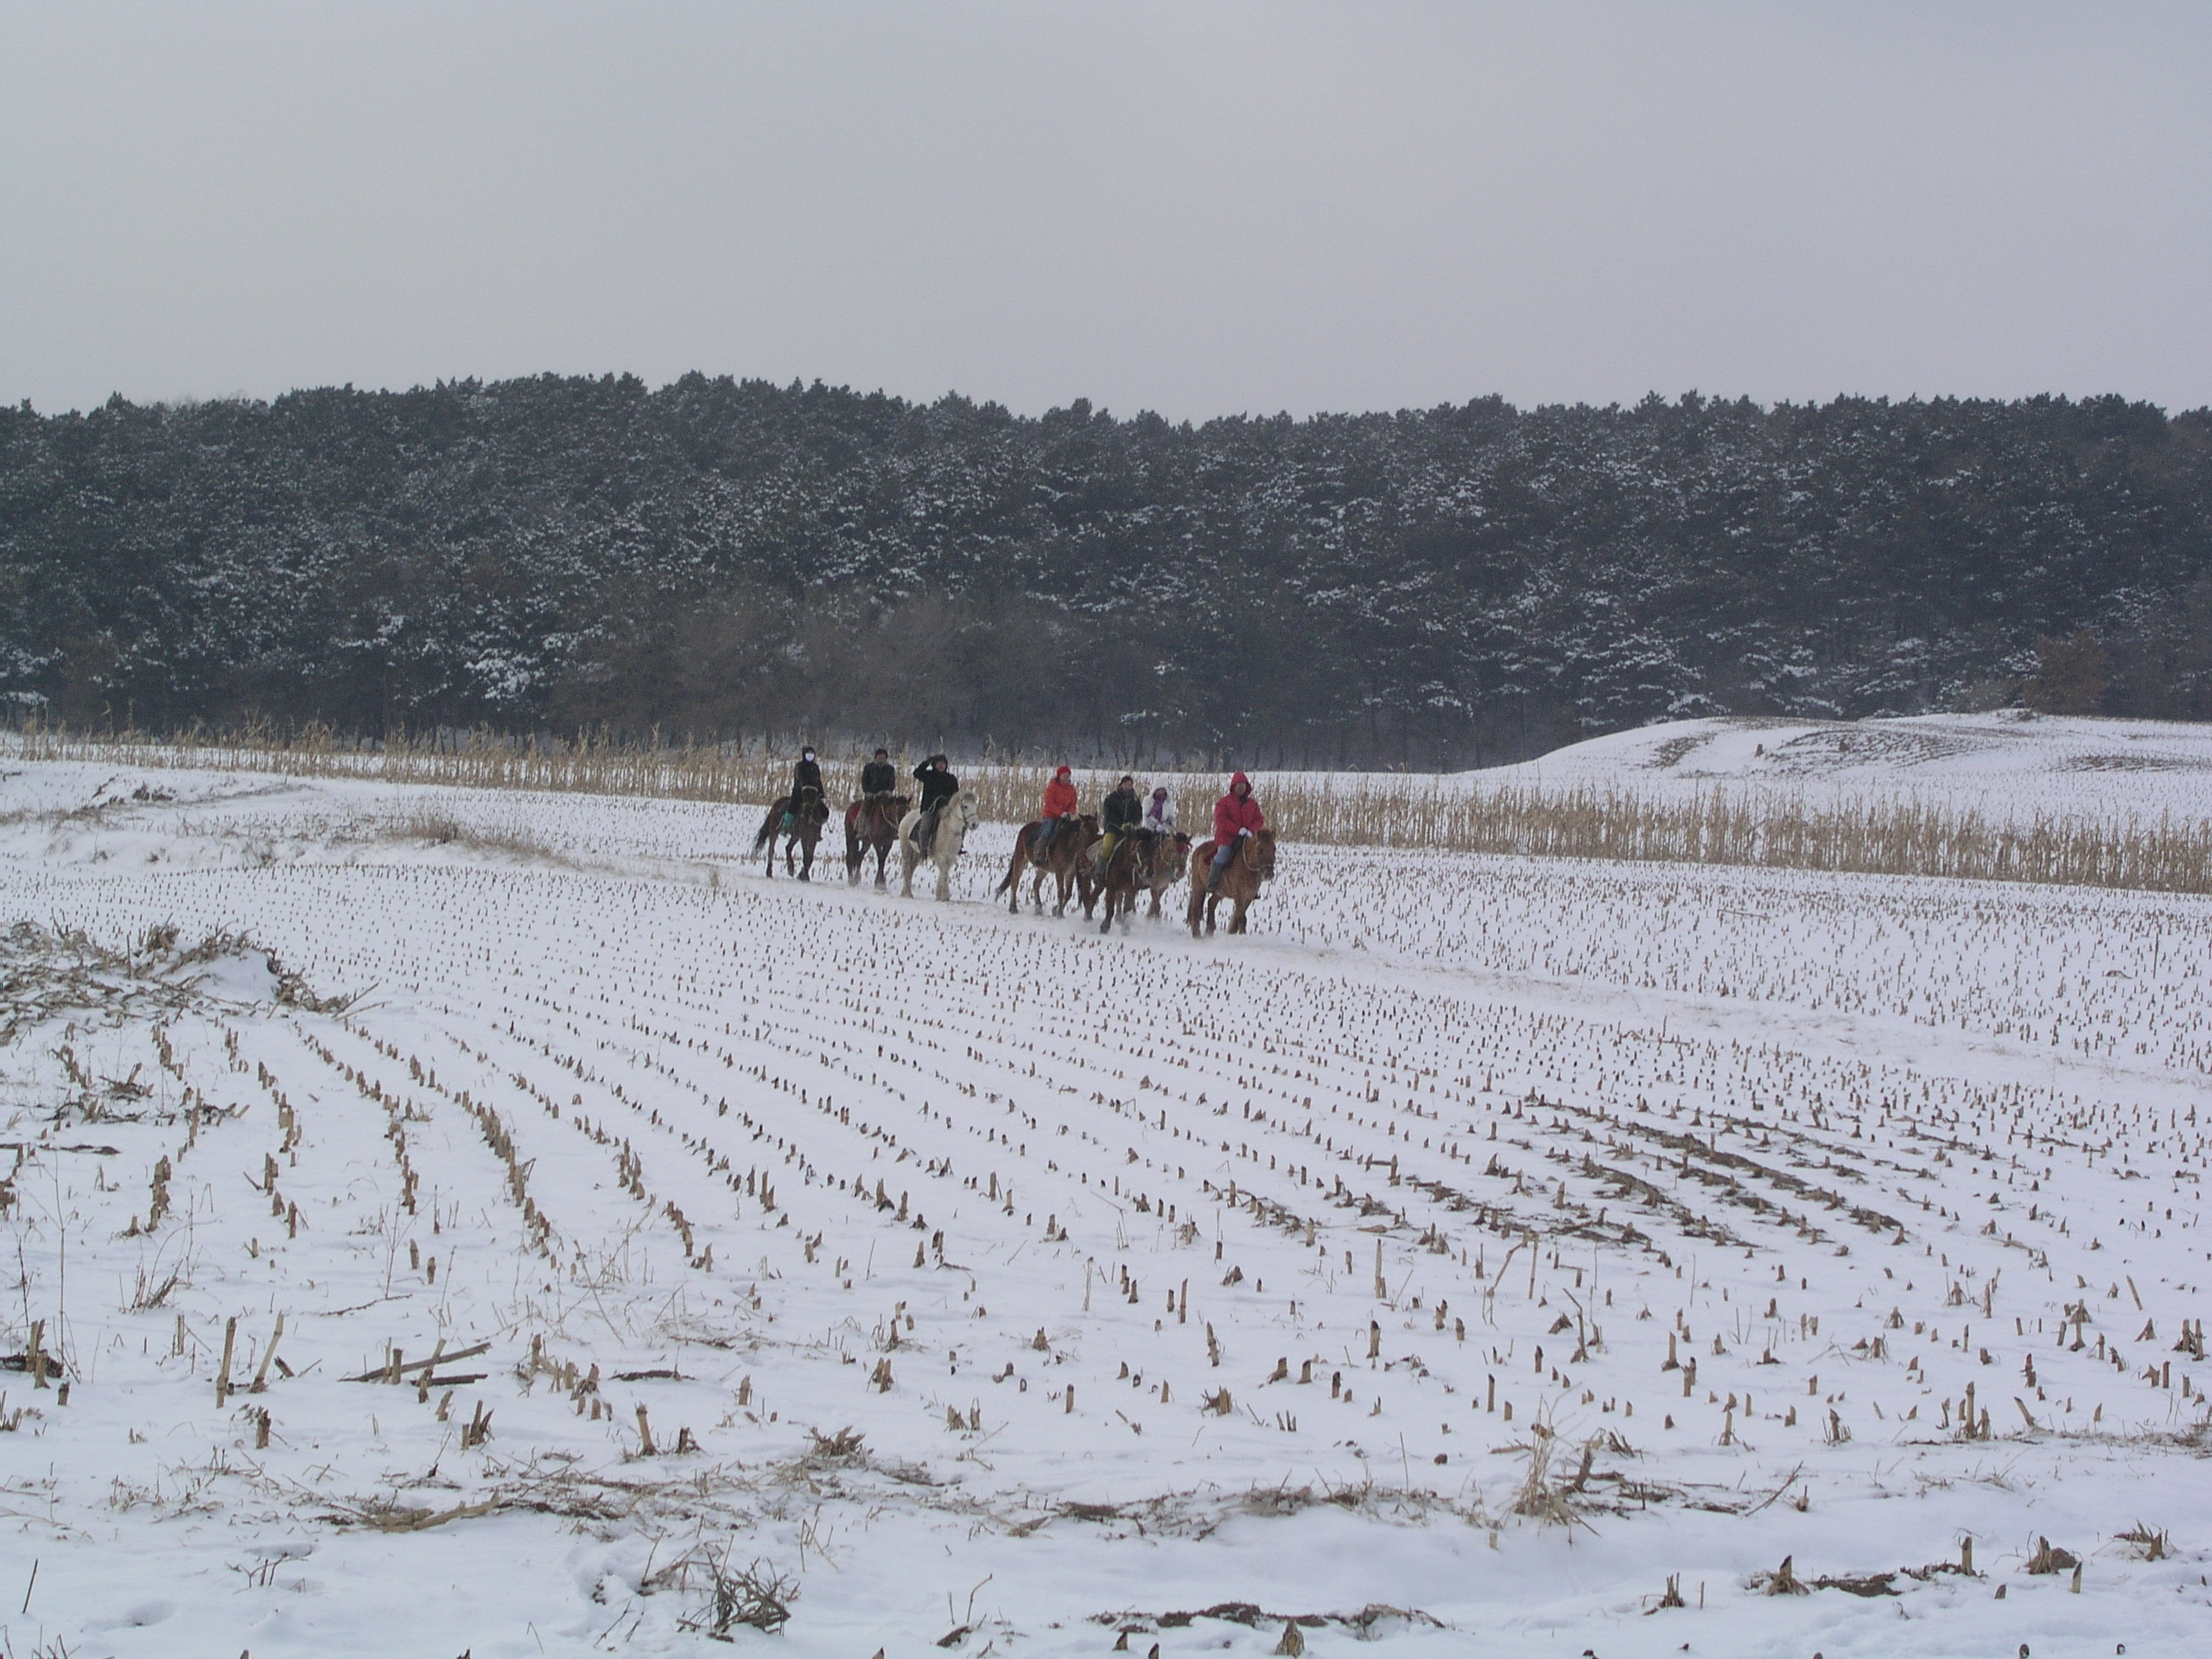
(1473, 1255)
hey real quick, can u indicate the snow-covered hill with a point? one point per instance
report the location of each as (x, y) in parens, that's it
(1473, 1253)
(2011, 762)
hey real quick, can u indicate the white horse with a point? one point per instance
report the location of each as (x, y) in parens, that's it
(957, 818)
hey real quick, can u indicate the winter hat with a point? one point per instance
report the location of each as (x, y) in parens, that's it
(1062, 773)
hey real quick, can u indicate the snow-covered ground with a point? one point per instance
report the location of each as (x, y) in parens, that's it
(1471, 1252)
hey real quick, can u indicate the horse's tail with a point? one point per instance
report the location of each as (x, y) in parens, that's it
(1013, 865)
(768, 824)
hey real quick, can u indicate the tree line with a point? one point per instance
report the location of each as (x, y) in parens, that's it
(727, 559)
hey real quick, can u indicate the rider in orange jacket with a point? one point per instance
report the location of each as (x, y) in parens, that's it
(1059, 808)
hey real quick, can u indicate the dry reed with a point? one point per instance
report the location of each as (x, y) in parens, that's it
(1882, 834)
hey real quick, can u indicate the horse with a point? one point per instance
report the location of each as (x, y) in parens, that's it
(956, 818)
(1156, 866)
(872, 824)
(1064, 862)
(1169, 859)
(804, 829)
(1126, 869)
(1253, 863)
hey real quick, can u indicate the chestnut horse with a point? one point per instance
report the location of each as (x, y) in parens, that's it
(872, 825)
(809, 812)
(1253, 863)
(1168, 860)
(1064, 857)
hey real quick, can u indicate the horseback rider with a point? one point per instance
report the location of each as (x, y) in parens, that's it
(1123, 811)
(1160, 813)
(807, 775)
(938, 786)
(879, 776)
(1236, 817)
(1059, 806)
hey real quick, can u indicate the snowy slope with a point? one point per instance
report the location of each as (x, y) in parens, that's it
(2010, 762)
(1487, 1241)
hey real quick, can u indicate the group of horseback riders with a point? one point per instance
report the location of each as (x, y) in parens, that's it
(1123, 810)
(1126, 810)
(1237, 814)
(1131, 843)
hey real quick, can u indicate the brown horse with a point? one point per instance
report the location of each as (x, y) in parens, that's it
(1253, 863)
(1064, 855)
(872, 824)
(803, 830)
(1130, 869)
(1159, 867)
(1169, 859)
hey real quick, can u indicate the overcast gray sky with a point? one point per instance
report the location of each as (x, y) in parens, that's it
(1194, 208)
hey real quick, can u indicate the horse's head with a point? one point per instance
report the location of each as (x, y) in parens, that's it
(963, 808)
(1262, 853)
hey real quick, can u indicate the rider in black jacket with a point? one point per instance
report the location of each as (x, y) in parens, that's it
(878, 777)
(1123, 813)
(938, 786)
(807, 775)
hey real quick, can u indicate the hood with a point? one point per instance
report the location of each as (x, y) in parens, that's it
(1240, 779)
(1160, 794)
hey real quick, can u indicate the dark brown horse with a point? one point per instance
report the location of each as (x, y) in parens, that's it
(1155, 866)
(1127, 869)
(1064, 856)
(872, 824)
(1253, 863)
(798, 820)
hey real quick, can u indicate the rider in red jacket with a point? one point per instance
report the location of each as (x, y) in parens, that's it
(1235, 815)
